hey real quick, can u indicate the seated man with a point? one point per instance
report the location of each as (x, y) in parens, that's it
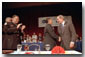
(34, 37)
(40, 37)
(29, 39)
(78, 45)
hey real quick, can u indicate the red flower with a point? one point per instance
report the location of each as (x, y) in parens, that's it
(58, 50)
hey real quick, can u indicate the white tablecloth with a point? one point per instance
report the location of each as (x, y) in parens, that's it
(45, 52)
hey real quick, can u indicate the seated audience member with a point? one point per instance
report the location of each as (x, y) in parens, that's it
(29, 39)
(81, 43)
(80, 39)
(34, 37)
(78, 44)
(24, 38)
(40, 37)
(78, 36)
(22, 41)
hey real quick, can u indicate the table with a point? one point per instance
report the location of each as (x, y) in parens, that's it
(46, 52)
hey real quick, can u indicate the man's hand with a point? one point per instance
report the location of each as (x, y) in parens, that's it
(23, 27)
(19, 25)
(59, 39)
(71, 45)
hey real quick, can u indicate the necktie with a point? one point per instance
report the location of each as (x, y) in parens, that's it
(62, 27)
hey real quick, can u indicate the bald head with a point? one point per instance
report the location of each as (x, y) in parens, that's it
(49, 21)
(8, 19)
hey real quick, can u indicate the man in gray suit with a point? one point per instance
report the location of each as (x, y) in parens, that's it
(67, 33)
(50, 36)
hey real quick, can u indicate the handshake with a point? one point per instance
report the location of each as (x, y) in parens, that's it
(71, 45)
(22, 26)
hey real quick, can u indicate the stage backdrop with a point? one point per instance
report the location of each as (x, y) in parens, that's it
(42, 20)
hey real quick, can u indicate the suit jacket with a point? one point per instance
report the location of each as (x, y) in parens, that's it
(50, 36)
(11, 37)
(68, 34)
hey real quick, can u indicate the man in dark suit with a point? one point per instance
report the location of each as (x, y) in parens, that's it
(4, 26)
(50, 36)
(67, 33)
(12, 37)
